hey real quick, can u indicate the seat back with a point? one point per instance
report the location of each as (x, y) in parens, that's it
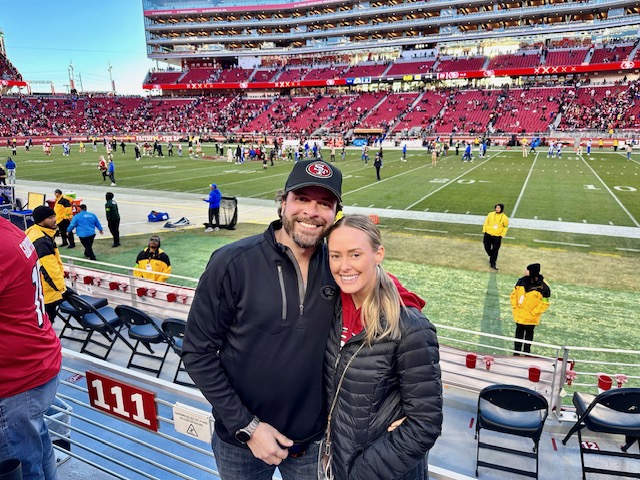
(80, 305)
(514, 398)
(131, 316)
(175, 330)
(623, 400)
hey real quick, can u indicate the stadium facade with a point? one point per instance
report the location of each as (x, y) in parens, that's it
(254, 36)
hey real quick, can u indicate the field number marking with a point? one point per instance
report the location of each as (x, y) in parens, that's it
(620, 188)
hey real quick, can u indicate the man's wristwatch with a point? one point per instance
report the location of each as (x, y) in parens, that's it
(244, 434)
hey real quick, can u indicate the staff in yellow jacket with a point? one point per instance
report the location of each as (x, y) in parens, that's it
(153, 263)
(495, 228)
(51, 270)
(64, 214)
(529, 300)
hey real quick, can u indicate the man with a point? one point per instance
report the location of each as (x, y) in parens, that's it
(41, 235)
(153, 261)
(113, 218)
(11, 171)
(529, 300)
(64, 214)
(111, 171)
(87, 223)
(494, 229)
(214, 208)
(377, 163)
(257, 331)
(466, 156)
(30, 361)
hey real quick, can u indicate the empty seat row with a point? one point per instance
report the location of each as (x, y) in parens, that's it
(521, 412)
(92, 315)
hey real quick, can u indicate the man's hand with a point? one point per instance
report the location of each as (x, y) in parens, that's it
(266, 442)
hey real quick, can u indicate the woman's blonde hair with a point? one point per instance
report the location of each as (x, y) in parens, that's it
(380, 312)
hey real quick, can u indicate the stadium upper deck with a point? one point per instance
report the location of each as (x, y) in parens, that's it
(225, 45)
(220, 29)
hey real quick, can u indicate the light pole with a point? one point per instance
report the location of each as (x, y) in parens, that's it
(113, 85)
(71, 82)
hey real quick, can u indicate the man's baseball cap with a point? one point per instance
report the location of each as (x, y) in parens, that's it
(315, 173)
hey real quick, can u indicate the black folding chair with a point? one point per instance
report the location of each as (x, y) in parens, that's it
(513, 410)
(103, 320)
(68, 315)
(145, 330)
(613, 412)
(174, 329)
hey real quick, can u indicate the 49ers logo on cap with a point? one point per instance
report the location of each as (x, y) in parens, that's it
(319, 170)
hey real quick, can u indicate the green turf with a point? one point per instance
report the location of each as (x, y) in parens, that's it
(593, 278)
(458, 295)
(599, 189)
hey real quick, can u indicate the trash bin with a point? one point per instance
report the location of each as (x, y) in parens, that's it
(228, 212)
(11, 469)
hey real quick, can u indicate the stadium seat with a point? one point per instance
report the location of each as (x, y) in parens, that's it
(613, 412)
(145, 330)
(513, 410)
(103, 320)
(68, 315)
(174, 329)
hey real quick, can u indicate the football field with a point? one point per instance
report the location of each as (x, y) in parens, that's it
(603, 188)
(593, 276)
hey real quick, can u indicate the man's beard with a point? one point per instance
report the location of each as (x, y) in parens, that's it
(303, 240)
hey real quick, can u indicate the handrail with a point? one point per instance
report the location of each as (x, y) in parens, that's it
(71, 261)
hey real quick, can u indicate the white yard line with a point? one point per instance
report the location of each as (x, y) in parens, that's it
(449, 183)
(535, 240)
(635, 222)
(526, 181)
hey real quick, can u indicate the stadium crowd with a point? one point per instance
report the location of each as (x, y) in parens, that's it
(509, 110)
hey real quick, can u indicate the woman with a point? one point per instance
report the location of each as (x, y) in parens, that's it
(381, 366)
(102, 166)
(529, 300)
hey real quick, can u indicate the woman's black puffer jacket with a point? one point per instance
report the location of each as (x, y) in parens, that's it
(389, 380)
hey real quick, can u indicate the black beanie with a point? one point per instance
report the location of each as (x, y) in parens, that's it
(42, 213)
(534, 270)
(501, 205)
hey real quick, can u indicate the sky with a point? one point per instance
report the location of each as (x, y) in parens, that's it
(43, 37)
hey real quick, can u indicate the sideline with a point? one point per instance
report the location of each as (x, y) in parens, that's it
(136, 204)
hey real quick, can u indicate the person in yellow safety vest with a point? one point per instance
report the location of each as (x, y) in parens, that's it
(152, 262)
(529, 300)
(64, 214)
(494, 229)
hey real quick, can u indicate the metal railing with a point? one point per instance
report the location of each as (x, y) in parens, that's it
(123, 449)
